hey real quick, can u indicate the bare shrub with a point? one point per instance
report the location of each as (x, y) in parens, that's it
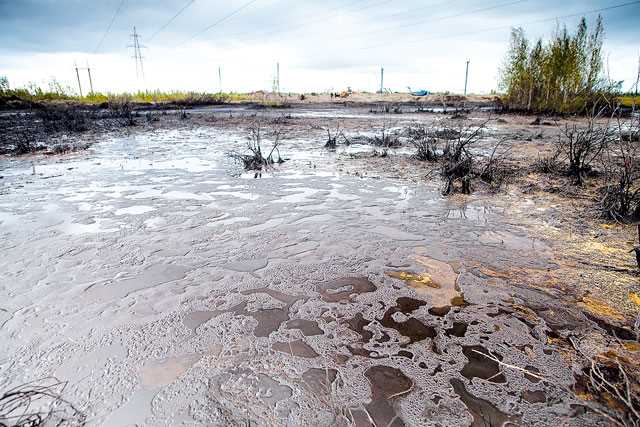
(609, 380)
(425, 141)
(256, 159)
(582, 145)
(457, 163)
(547, 164)
(122, 111)
(37, 404)
(334, 135)
(386, 138)
(24, 143)
(621, 194)
(494, 170)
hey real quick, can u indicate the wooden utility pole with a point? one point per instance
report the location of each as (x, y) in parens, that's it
(381, 80)
(278, 76)
(466, 78)
(78, 77)
(220, 79)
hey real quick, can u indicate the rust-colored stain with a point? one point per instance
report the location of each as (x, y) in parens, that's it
(414, 280)
(634, 298)
(600, 308)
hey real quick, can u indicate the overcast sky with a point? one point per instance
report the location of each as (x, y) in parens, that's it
(320, 45)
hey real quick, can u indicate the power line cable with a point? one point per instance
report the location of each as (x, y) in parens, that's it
(537, 21)
(298, 25)
(437, 19)
(326, 18)
(310, 22)
(429, 6)
(173, 18)
(219, 21)
(113, 19)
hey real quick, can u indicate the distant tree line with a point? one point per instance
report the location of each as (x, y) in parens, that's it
(565, 74)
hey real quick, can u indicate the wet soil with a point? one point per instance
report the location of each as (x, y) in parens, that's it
(167, 286)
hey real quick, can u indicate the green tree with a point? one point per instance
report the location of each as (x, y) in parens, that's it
(562, 75)
(4, 85)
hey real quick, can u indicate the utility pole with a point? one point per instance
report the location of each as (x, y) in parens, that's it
(635, 93)
(137, 53)
(78, 77)
(278, 76)
(220, 79)
(466, 78)
(90, 79)
(381, 80)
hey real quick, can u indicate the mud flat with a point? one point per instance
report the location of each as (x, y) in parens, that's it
(168, 287)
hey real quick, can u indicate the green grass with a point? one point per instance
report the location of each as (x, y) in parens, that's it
(628, 100)
(156, 96)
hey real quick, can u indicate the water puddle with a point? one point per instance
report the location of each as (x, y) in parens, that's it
(387, 384)
(439, 281)
(484, 413)
(345, 289)
(296, 348)
(481, 365)
(160, 373)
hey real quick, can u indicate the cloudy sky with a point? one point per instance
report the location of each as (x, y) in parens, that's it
(320, 45)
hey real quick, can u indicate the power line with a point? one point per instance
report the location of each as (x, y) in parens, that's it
(298, 25)
(328, 18)
(313, 21)
(442, 18)
(537, 21)
(113, 19)
(173, 18)
(219, 21)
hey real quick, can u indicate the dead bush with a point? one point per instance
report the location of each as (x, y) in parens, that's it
(122, 111)
(494, 170)
(335, 135)
(547, 164)
(621, 195)
(39, 403)
(24, 143)
(425, 142)
(615, 387)
(580, 146)
(460, 166)
(457, 162)
(256, 159)
(386, 138)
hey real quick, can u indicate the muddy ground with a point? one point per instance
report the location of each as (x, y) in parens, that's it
(164, 285)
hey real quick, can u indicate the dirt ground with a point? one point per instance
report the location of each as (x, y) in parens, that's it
(338, 288)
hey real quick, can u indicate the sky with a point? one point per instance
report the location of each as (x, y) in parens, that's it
(320, 45)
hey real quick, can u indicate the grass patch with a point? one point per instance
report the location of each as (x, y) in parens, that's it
(57, 93)
(628, 101)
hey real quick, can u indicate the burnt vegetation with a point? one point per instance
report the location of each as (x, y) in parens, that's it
(334, 136)
(600, 151)
(462, 161)
(425, 141)
(260, 157)
(39, 403)
(386, 137)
